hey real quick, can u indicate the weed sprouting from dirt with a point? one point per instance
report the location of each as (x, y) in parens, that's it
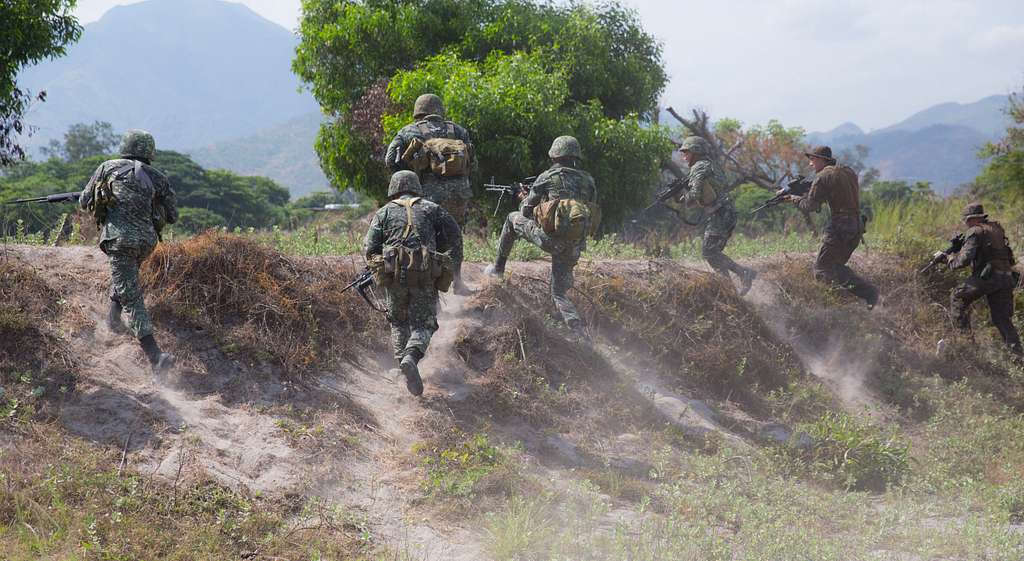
(285, 309)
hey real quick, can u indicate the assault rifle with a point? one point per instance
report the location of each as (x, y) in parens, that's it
(673, 191)
(512, 190)
(956, 243)
(798, 187)
(58, 198)
(364, 284)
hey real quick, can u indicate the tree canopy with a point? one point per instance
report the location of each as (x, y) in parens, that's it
(30, 31)
(516, 73)
(83, 141)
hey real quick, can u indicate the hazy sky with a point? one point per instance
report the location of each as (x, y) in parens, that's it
(812, 63)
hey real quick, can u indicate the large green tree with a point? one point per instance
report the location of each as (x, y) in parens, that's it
(1003, 177)
(83, 141)
(30, 31)
(516, 73)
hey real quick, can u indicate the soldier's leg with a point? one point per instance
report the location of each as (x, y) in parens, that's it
(397, 301)
(114, 323)
(562, 280)
(423, 324)
(124, 281)
(830, 267)
(716, 235)
(1000, 304)
(960, 301)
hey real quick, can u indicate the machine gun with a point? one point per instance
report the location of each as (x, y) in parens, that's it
(512, 190)
(363, 285)
(956, 243)
(58, 198)
(798, 187)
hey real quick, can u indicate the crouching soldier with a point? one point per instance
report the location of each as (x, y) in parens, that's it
(131, 202)
(556, 216)
(411, 246)
(986, 250)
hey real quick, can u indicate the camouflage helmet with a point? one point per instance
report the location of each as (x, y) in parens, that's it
(138, 144)
(427, 104)
(565, 147)
(696, 145)
(404, 181)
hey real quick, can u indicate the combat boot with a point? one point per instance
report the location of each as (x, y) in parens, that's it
(459, 287)
(160, 361)
(498, 268)
(747, 277)
(579, 333)
(114, 322)
(413, 382)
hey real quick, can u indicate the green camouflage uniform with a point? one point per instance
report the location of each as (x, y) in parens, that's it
(557, 183)
(719, 214)
(412, 311)
(985, 246)
(143, 199)
(453, 193)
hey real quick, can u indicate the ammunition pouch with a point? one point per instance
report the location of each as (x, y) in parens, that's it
(415, 157)
(413, 267)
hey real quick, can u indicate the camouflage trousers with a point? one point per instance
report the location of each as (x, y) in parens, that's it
(453, 194)
(412, 313)
(998, 291)
(125, 288)
(718, 229)
(837, 246)
(563, 259)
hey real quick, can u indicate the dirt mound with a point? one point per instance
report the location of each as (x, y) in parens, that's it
(285, 309)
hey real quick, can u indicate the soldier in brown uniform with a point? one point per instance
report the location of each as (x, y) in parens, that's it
(986, 249)
(837, 185)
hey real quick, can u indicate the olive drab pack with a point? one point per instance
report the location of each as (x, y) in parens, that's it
(444, 157)
(564, 219)
(414, 267)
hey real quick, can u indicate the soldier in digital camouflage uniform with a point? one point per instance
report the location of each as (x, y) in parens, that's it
(988, 252)
(563, 180)
(838, 186)
(411, 310)
(452, 193)
(707, 189)
(131, 201)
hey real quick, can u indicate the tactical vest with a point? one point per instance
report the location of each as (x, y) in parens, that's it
(567, 219)
(993, 247)
(412, 265)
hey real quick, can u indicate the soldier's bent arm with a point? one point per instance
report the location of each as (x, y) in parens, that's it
(393, 159)
(538, 192)
(86, 197)
(811, 202)
(166, 197)
(374, 242)
(449, 235)
(967, 253)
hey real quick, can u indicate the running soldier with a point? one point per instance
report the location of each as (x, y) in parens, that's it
(410, 247)
(837, 185)
(441, 154)
(556, 216)
(706, 188)
(987, 251)
(131, 201)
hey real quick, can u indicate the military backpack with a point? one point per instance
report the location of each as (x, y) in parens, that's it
(414, 267)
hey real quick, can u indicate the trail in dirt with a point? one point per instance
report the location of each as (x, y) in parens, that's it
(382, 481)
(164, 431)
(844, 372)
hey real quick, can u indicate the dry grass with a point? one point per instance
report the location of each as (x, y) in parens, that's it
(710, 341)
(285, 309)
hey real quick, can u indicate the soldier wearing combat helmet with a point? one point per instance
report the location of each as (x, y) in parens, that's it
(562, 188)
(442, 155)
(707, 184)
(409, 246)
(986, 249)
(131, 201)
